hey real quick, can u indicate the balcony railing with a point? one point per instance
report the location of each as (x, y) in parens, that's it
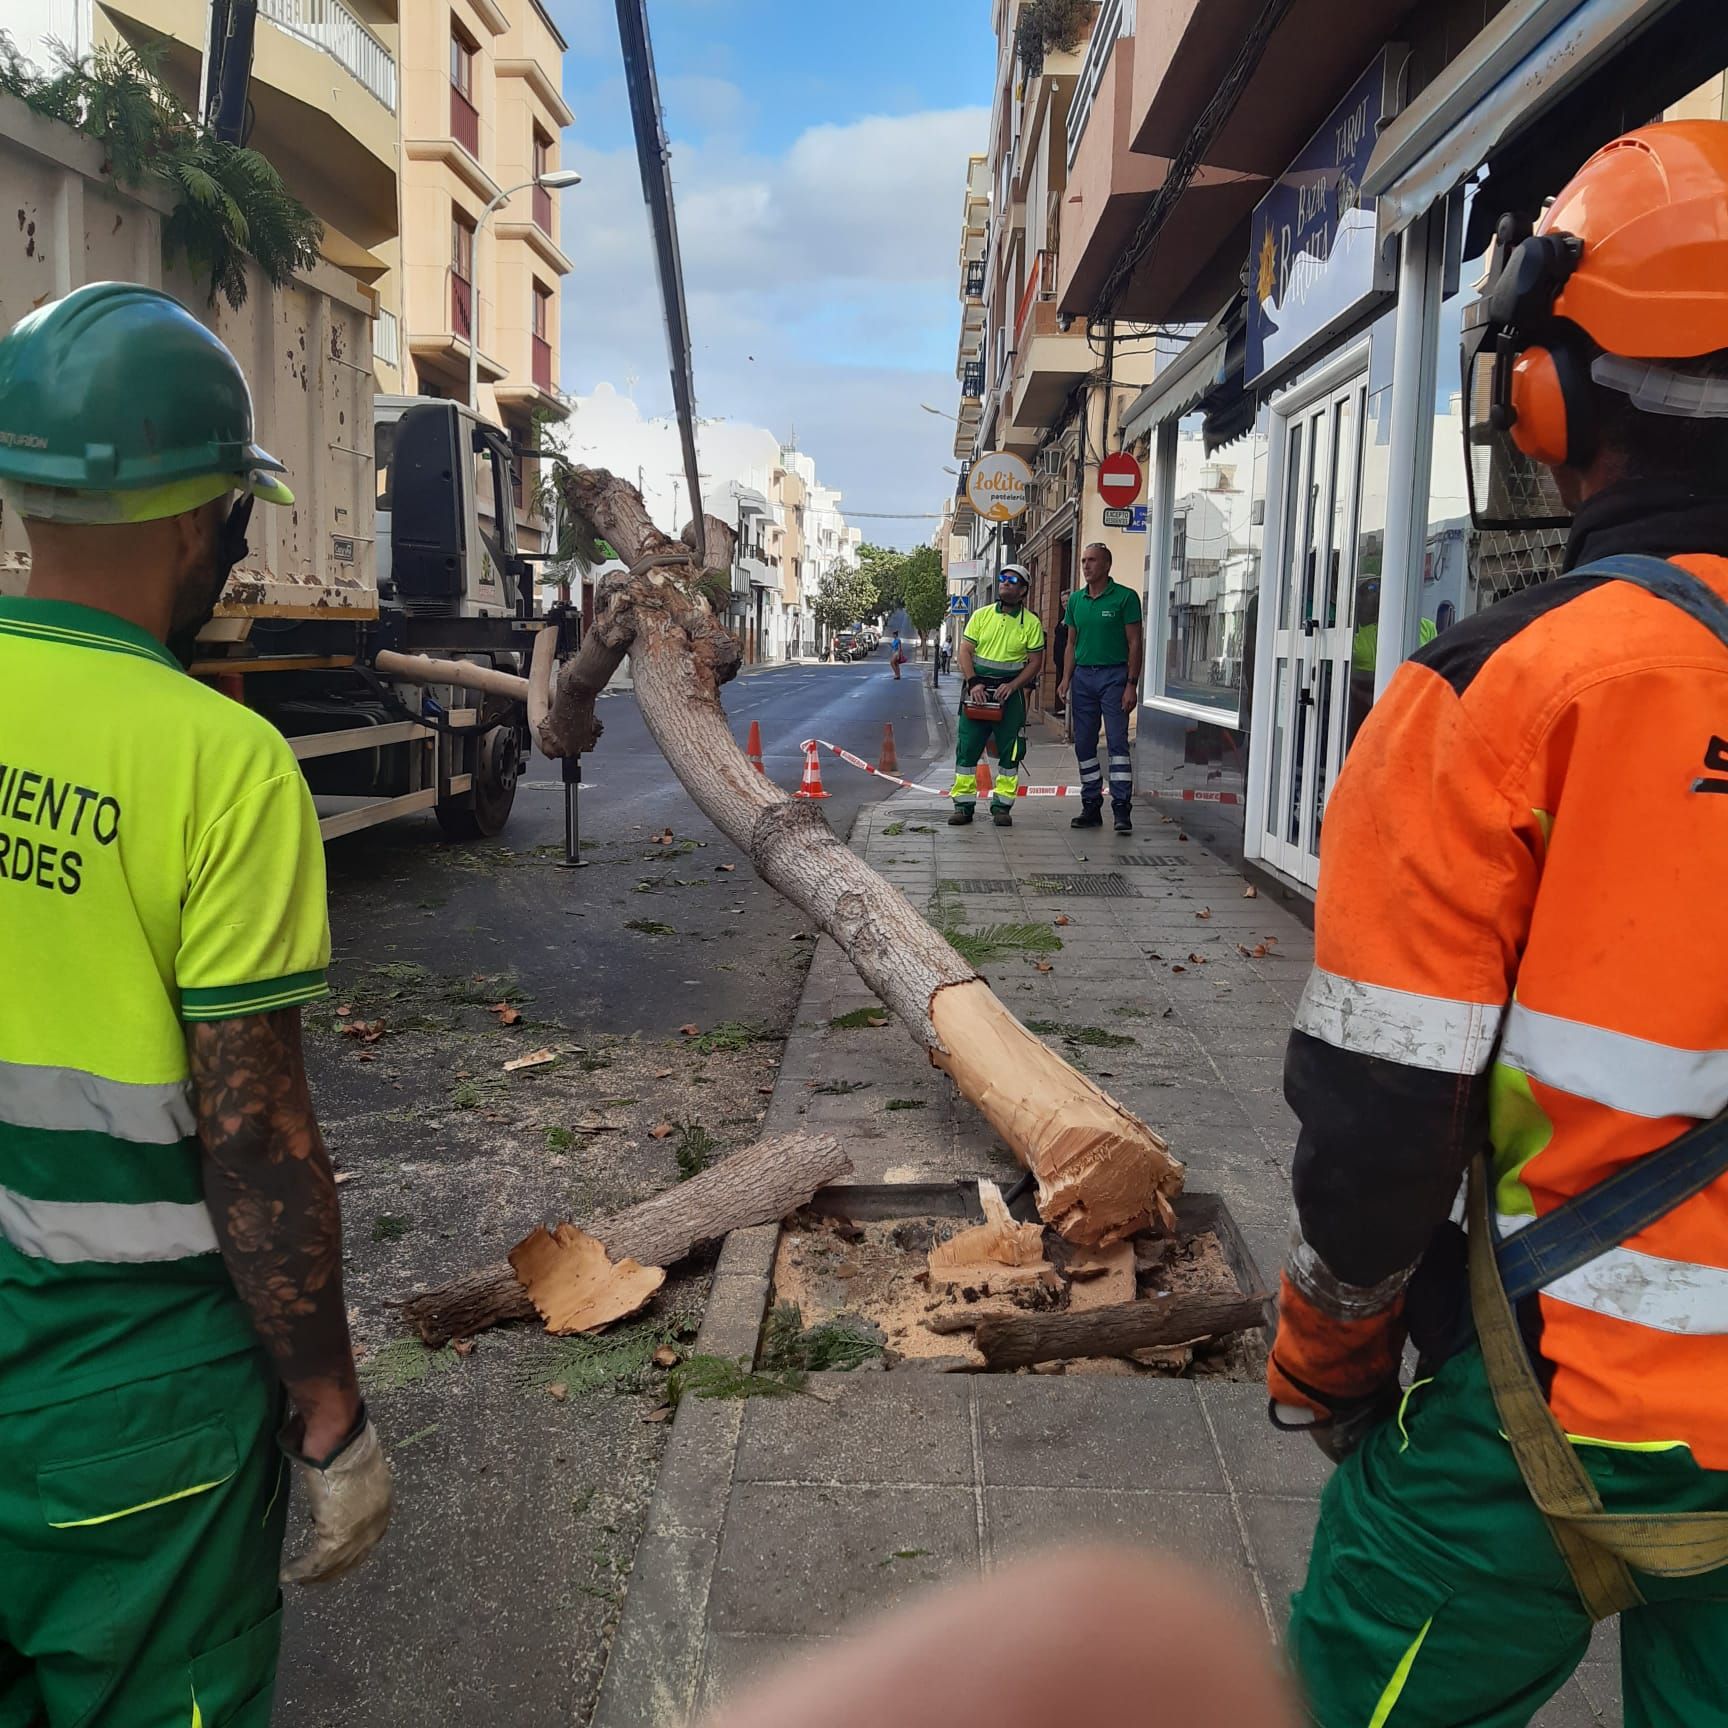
(386, 339)
(329, 25)
(542, 209)
(464, 122)
(1040, 285)
(462, 306)
(542, 364)
(972, 379)
(975, 273)
(1115, 20)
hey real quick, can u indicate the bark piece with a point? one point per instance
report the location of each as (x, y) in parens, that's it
(575, 1284)
(422, 669)
(1018, 1341)
(756, 1186)
(1102, 1174)
(1101, 1278)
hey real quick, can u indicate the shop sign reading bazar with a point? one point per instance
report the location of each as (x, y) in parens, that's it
(1315, 265)
(996, 486)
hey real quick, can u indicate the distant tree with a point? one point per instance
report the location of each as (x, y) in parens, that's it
(926, 590)
(844, 596)
(887, 570)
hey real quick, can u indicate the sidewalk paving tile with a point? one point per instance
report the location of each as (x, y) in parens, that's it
(810, 1560)
(862, 1428)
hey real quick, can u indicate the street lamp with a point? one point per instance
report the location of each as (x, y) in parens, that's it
(558, 180)
(940, 413)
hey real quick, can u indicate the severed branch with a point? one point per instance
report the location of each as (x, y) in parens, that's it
(1019, 1340)
(1102, 1173)
(756, 1186)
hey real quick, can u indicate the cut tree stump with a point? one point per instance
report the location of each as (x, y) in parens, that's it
(1019, 1340)
(756, 1186)
(1102, 1173)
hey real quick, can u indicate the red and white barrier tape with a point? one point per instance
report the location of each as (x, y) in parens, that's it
(919, 786)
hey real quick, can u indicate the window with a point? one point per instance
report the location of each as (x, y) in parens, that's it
(542, 342)
(542, 153)
(461, 273)
(464, 116)
(542, 305)
(542, 165)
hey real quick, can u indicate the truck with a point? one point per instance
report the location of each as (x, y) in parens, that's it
(402, 538)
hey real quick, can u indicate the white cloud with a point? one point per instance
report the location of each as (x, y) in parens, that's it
(821, 288)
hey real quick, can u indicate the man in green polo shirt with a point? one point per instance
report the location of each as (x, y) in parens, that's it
(170, 1245)
(1101, 681)
(1001, 654)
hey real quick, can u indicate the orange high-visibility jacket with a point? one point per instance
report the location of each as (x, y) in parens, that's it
(1519, 942)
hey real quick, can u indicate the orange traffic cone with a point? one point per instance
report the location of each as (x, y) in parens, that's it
(811, 785)
(986, 780)
(890, 763)
(753, 750)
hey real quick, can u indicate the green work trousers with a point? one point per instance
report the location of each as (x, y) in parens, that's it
(140, 1540)
(1009, 733)
(1436, 1597)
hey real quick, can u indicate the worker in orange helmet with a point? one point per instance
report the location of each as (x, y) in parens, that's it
(1521, 992)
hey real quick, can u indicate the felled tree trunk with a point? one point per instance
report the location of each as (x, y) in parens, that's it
(756, 1186)
(1019, 1340)
(1102, 1173)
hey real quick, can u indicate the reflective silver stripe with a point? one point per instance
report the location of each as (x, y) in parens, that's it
(1644, 1289)
(1614, 1068)
(1432, 1032)
(34, 1097)
(70, 1232)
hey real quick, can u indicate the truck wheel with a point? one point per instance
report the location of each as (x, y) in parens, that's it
(482, 813)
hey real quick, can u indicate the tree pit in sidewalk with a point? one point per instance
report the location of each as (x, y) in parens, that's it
(855, 1264)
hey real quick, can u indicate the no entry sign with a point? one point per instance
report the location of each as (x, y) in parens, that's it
(1119, 479)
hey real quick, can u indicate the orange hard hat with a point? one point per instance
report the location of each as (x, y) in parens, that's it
(1651, 209)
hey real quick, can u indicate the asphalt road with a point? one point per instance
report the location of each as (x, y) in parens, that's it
(524, 1472)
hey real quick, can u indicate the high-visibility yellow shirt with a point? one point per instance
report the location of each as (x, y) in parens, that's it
(1002, 642)
(160, 863)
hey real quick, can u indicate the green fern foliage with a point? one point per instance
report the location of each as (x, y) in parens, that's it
(230, 204)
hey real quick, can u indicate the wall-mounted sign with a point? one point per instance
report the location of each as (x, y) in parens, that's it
(1119, 517)
(996, 486)
(1314, 261)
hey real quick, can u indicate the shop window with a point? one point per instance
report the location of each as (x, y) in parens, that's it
(1203, 603)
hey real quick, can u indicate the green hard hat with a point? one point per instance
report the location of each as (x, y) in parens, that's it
(117, 405)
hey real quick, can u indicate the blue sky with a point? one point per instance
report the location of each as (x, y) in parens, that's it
(819, 156)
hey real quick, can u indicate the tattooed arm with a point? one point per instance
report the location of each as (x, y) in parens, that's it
(272, 1197)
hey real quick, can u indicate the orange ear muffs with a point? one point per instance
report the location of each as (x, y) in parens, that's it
(1552, 416)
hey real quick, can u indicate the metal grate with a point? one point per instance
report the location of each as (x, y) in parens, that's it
(980, 885)
(1110, 887)
(1151, 860)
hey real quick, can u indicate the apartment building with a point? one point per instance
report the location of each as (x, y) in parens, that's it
(398, 123)
(1035, 382)
(482, 112)
(1293, 209)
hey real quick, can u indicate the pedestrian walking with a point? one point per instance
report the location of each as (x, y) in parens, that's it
(1001, 653)
(1101, 682)
(170, 1239)
(897, 655)
(1515, 990)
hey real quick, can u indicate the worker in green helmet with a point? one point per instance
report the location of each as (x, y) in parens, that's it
(172, 1329)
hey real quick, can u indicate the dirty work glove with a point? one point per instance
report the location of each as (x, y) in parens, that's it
(1331, 1378)
(349, 1495)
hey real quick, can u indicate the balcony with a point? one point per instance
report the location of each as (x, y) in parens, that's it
(974, 279)
(542, 364)
(542, 209)
(462, 306)
(972, 381)
(1050, 362)
(464, 122)
(329, 25)
(1109, 188)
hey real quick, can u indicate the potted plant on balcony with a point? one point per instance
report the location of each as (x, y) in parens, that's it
(1048, 26)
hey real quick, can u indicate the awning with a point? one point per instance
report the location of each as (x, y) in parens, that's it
(1198, 369)
(1516, 70)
